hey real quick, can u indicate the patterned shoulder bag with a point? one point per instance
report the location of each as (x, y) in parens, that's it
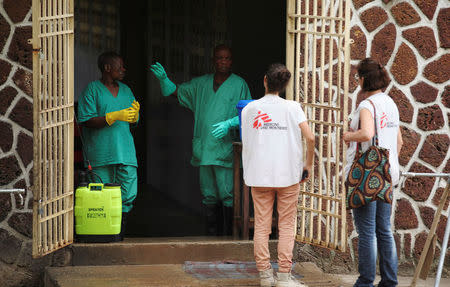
(369, 178)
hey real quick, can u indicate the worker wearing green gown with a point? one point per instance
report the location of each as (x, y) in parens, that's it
(106, 108)
(213, 99)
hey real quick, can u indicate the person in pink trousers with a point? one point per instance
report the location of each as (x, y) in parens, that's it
(272, 157)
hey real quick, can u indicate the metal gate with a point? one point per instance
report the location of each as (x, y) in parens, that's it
(53, 125)
(318, 53)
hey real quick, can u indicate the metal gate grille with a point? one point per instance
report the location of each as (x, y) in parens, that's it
(53, 125)
(318, 53)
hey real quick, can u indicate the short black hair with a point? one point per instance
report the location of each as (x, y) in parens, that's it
(221, 47)
(277, 76)
(375, 76)
(106, 58)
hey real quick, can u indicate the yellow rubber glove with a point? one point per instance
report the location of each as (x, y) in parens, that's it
(135, 106)
(126, 115)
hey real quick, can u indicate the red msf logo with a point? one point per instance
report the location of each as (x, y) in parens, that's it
(384, 120)
(260, 119)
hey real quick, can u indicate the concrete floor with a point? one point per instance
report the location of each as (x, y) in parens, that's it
(139, 262)
(174, 275)
(162, 275)
(348, 280)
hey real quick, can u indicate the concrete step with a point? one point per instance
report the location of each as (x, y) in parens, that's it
(138, 262)
(147, 251)
(162, 275)
(174, 275)
(159, 262)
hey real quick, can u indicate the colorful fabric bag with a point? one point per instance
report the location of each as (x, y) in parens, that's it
(369, 178)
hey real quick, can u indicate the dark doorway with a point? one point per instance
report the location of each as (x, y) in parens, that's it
(181, 34)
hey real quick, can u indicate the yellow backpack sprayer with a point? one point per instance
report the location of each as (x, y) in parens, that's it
(98, 208)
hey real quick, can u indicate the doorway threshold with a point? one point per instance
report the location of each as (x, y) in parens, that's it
(179, 239)
(164, 250)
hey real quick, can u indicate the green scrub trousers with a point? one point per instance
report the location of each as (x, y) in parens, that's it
(126, 175)
(213, 156)
(216, 182)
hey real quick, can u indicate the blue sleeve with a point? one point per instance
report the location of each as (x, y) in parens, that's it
(87, 105)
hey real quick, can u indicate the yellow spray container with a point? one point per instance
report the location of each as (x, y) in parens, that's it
(98, 212)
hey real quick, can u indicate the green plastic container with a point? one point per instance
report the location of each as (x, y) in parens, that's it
(98, 212)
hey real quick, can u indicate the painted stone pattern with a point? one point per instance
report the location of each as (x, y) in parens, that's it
(411, 38)
(16, 142)
(413, 45)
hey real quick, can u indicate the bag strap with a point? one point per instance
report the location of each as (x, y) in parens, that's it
(375, 137)
(358, 144)
(375, 123)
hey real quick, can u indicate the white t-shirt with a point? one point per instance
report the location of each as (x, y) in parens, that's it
(272, 142)
(387, 129)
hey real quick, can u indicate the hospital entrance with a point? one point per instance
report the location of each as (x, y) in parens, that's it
(180, 34)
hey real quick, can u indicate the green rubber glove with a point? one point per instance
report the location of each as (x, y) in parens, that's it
(126, 115)
(222, 128)
(167, 86)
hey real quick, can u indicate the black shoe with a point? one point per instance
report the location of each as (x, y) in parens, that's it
(228, 220)
(220, 220)
(123, 225)
(211, 219)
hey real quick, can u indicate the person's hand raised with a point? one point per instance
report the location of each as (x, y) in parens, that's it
(167, 86)
(158, 71)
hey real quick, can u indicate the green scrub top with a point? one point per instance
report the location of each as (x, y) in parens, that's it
(112, 144)
(209, 108)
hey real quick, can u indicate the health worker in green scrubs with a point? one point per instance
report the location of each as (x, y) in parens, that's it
(106, 109)
(213, 99)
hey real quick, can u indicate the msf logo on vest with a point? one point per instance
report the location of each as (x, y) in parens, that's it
(260, 119)
(384, 122)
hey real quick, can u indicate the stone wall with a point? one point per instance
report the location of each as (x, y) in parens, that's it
(411, 38)
(16, 141)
